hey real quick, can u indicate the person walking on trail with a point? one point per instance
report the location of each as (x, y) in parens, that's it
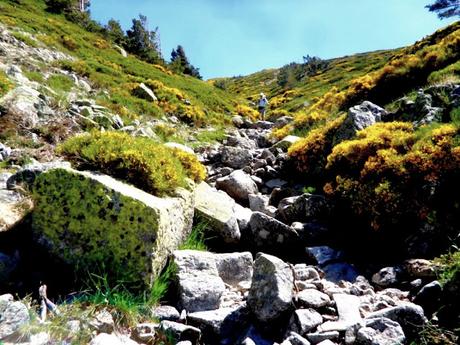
(262, 104)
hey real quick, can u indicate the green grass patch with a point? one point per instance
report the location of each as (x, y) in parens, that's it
(211, 135)
(60, 83)
(144, 163)
(25, 38)
(196, 239)
(34, 76)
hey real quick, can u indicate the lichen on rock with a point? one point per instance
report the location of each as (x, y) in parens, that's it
(99, 224)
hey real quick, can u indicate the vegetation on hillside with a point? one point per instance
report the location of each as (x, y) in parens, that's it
(99, 60)
(148, 165)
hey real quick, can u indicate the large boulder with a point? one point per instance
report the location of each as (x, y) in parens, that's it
(220, 326)
(202, 277)
(271, 293)
(381, 331)
(273, 236)
(198, 282)
(217, 207)
(409, 315)
(144, 92)
(23, 104)
(306, 207)
(286, 142)
(13, 205)
(235, 157)
(92, 220)
(13, 315)
(359, 117)
(238, 185)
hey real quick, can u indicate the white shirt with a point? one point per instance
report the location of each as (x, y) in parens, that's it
(263, 102)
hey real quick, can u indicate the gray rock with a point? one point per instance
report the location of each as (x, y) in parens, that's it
(305, 320)
(306, 273)
(429, 297)
(271, 293)
(220, 326)
(5, 152)
(121, 51)
(235, 269)
(380, 331)
(243, 216)
(238, 185)
(180, 332)
(296, 339)
(359, 117)
(419, 268)
(217, 208)
(238, 121)
(144, 92)
(102, 322)
(268, 156)
(409, 315)
(387, 277)
(326, 342)
(240, 142)
(199, 284)
(258, 163)
(30, 172)
(348, 308)
(13, 315)
(165, 312)
(23, 101)
(258, 202)
(318, 337)
(286, 142)
(283, 121)
(275, 183)
(272, 235)
(144, 332)
(181, 147)
(304, 208)
(136, 252)
(234, 157)
(311, 298)
(262, 125)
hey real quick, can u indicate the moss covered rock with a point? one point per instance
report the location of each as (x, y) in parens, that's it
(99, 224)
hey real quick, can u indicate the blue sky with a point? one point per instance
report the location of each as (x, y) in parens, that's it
(239, 37)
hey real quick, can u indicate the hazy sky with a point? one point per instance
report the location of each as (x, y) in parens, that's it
(238, 37)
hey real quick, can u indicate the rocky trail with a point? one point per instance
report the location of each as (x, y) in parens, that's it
(273, 275)
(280, 267)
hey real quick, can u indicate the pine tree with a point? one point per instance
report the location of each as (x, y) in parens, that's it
(180, 63)
(142, 42)
(445, 8)
(114, 32)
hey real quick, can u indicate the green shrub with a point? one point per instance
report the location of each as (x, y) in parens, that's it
(5, 84)
(140, 161)
(396, 179)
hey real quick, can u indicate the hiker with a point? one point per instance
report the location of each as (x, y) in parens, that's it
(262, 104)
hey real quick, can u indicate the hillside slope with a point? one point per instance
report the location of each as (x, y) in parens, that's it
(339, 72)
(112, 76)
